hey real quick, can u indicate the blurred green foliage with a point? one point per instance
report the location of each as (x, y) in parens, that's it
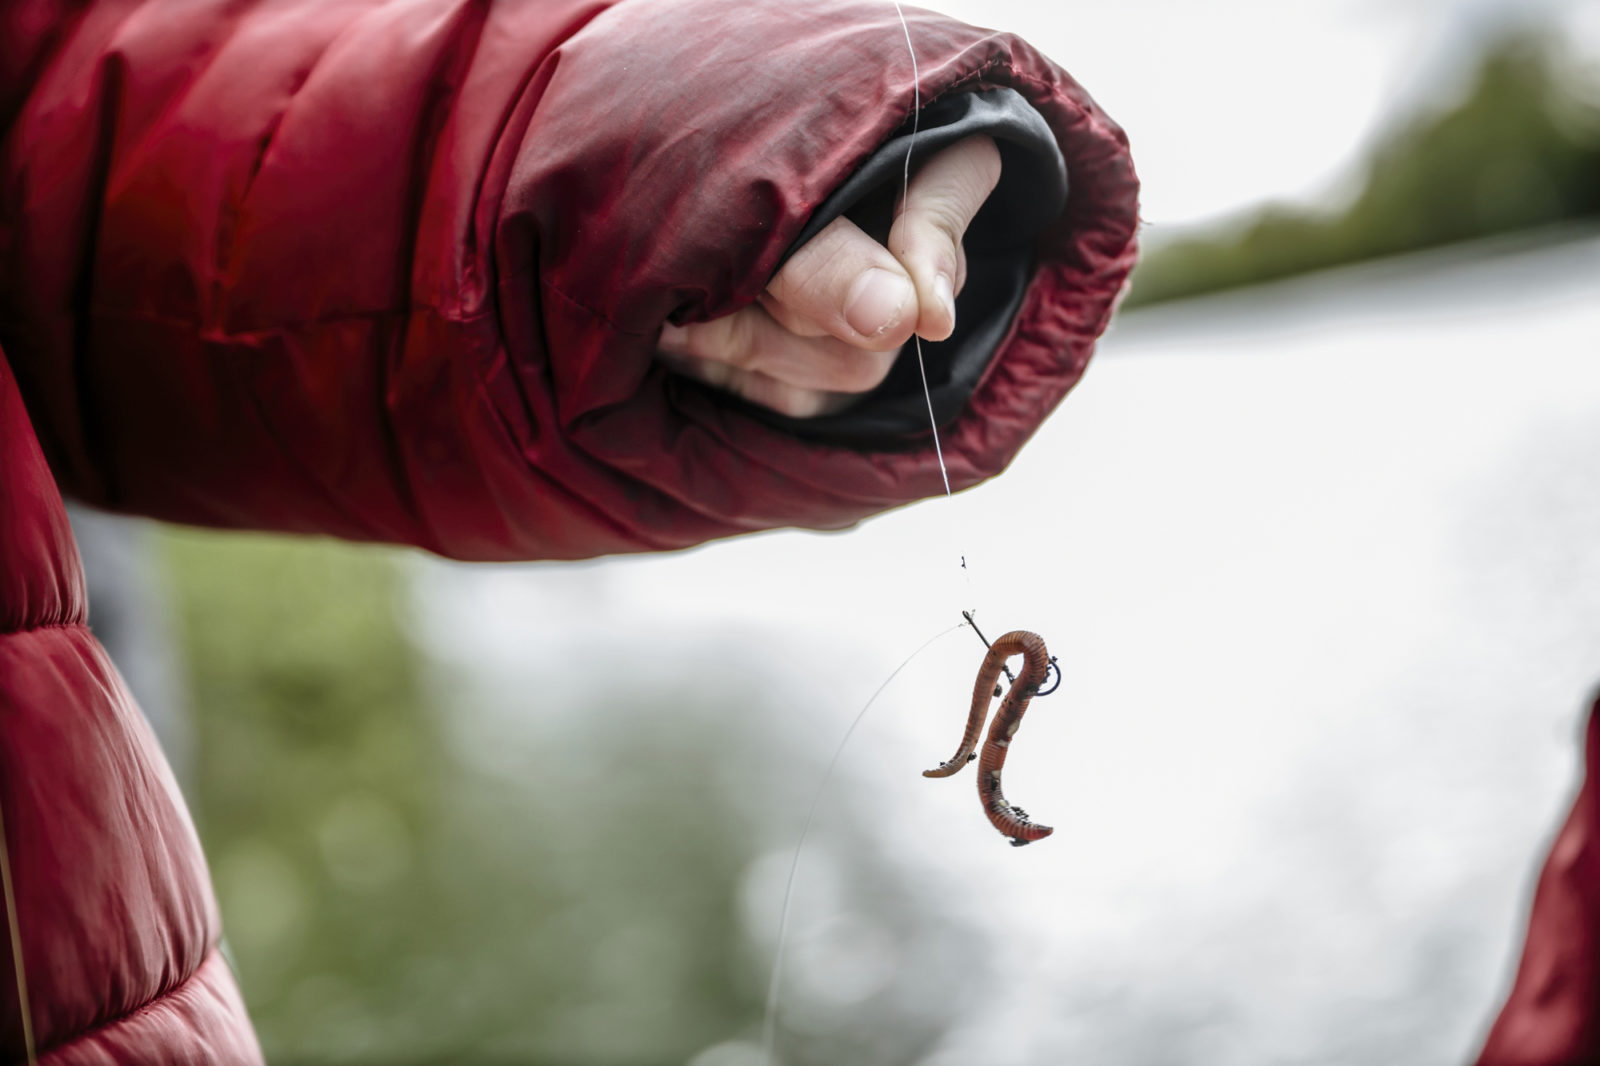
(315, 780)
(574, 896)
(1521, 149)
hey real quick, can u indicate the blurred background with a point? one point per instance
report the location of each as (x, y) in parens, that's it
(1317, 541)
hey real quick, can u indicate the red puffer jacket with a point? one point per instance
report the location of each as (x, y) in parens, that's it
(117, 958)
(395, 271)
(1553, 1013)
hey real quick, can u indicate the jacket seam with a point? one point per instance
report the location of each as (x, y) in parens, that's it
(586, 309)
(20, 630)
(143, 1008)
(206, 332)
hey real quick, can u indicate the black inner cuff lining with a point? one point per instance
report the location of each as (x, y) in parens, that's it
(999, 243)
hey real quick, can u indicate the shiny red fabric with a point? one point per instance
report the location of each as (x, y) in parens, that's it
(394, 271)
(1553, 1012)
(118, 929)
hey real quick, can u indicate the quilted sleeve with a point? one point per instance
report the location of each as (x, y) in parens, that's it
(395, 271)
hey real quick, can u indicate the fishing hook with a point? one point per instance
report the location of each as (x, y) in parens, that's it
(1052, 668)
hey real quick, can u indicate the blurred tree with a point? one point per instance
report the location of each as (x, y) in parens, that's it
(315, 773)
(1521, 149)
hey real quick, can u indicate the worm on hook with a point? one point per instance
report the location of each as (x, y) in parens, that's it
(1012, 821)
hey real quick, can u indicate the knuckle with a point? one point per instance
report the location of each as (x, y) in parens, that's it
(936, 238)
(854, 371)
(971, 175)
(733, 341)
(799, 274)
(819, 267)
(868, 373)
(950, 219)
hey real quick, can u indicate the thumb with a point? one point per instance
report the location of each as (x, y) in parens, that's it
(939, 205)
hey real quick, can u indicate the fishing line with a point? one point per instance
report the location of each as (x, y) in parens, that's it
(769, 1024)
(916, 339)
(905, 193)
(775, 983)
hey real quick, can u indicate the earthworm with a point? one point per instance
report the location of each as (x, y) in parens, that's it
(1012, 821)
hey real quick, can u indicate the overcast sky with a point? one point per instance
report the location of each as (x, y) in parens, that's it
(1238, 101)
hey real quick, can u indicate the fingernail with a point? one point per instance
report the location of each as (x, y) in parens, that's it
(876, 300)
(946, 294)
(674, 339)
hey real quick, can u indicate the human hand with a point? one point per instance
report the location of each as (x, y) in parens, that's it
(831, 322)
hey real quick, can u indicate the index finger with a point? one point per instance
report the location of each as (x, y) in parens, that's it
(844, 283)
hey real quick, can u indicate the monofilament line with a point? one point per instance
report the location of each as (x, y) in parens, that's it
(905, 193)
(928, 396)
(769, 1025)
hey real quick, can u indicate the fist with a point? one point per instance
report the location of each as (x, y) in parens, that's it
(832, 321)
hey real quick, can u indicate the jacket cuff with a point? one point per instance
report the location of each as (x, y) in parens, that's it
(1030, 195)
(680, 205)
